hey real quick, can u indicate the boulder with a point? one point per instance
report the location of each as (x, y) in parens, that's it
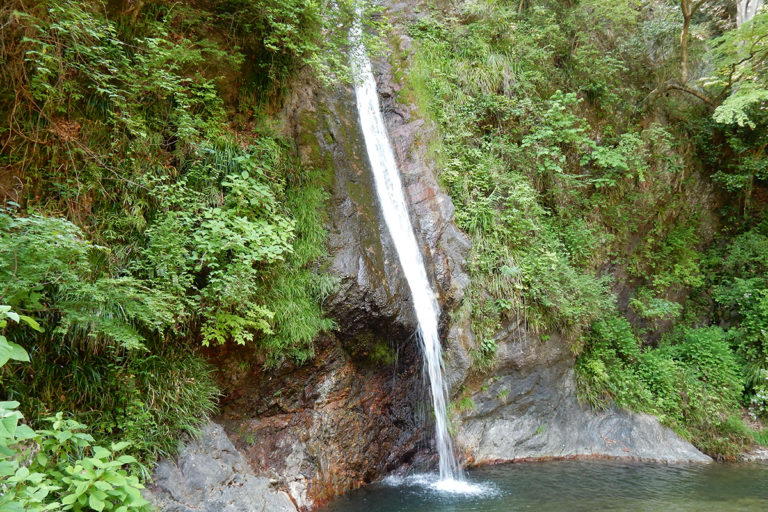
(526, 408)
(210, 475)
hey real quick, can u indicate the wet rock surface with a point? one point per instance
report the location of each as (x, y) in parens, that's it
(445, 247)
(210, 475)
(359, 410)
(373, 293)
(329, 426)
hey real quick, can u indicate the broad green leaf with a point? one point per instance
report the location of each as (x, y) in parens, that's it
(69, 499)
(8, 467)
(116, 447)
(100, 452)
(31, 322)
(18, 353)
(95, 503)
(126, 459)
(24, 432)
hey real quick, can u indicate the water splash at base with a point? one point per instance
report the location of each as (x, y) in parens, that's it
(433, 482)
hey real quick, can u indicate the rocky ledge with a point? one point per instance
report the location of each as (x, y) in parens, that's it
(758, 455)
(525, 408)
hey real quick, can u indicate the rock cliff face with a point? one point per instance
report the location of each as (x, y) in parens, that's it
(326, 427)
(359, 410)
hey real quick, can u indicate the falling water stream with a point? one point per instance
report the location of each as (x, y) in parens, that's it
(389, 190)
(562, 486)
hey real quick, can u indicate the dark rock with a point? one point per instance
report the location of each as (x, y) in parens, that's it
(372, 291)
(210, 475)
(350, 416)
(445, 247)
(329, 426)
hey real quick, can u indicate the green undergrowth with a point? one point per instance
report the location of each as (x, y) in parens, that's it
(760, 437)
(692, 381)
(152, 206)
(58, 466)
(545, 194)
(579, 183)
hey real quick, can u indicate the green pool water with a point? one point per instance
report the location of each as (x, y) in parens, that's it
(575, 486)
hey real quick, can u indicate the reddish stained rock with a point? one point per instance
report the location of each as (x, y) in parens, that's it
(419, 192)
(327, 427)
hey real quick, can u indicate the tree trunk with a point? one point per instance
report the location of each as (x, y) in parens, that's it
(685, 6)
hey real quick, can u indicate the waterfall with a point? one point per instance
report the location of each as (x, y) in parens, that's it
(389, 191)
(746, 10)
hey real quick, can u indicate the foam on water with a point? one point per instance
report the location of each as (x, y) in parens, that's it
(433, 482)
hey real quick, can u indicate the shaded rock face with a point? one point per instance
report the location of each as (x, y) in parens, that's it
(359, 409)
(527, 409)
(746, 10)
(211, 476)
(373, 294)
(445, 246)
(328, 426)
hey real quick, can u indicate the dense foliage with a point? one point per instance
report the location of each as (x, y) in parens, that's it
(150, 206)
(58, 468)
(588, 147)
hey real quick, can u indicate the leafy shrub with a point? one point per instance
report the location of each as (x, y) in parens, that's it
(740, 292)
(692, 382)
(46, 265)
(758, 405)
(542, 180)
(144, 224)
(147, 399)
(286, 35)
(59, 469)
(649, 307)
(50, 469)
(98, 331)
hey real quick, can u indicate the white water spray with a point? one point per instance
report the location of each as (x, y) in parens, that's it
(389, 190)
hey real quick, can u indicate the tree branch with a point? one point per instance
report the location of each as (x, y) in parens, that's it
(703, 97)
(670, 85)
